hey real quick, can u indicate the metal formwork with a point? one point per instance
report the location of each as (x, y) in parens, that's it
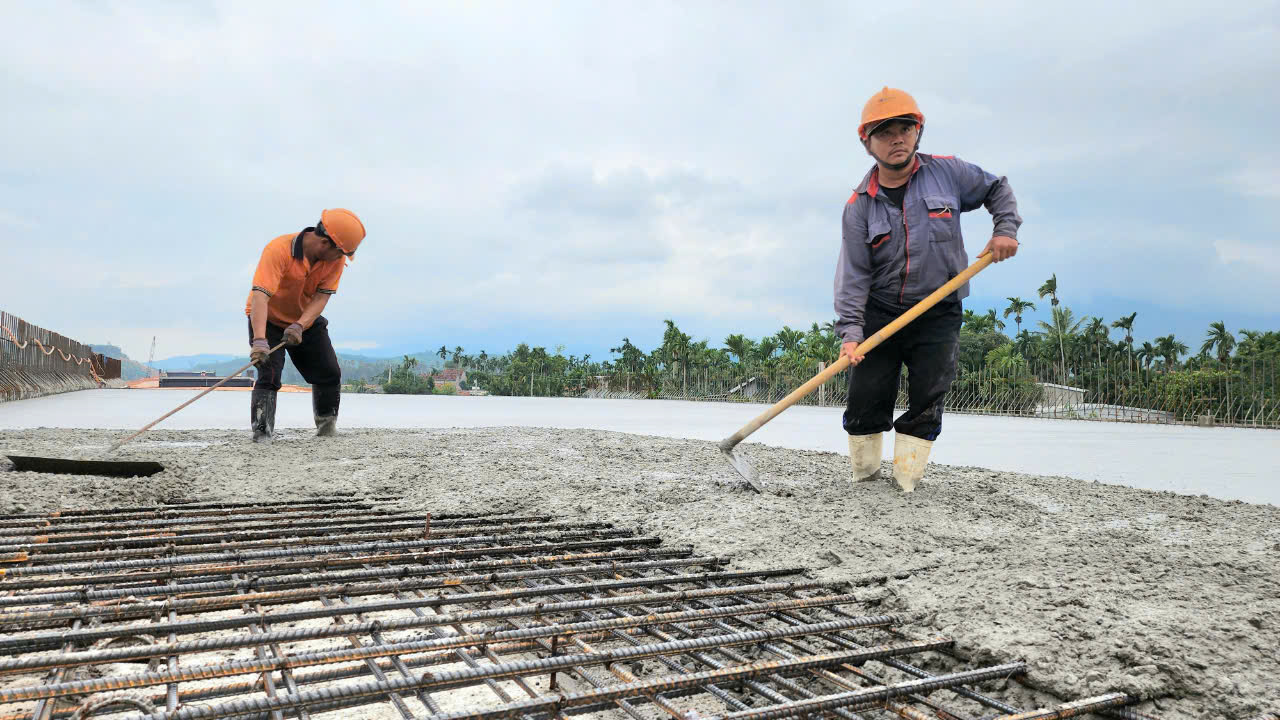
(344, 608)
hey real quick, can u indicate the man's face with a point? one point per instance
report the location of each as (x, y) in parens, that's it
(893, 142)
(331, 251)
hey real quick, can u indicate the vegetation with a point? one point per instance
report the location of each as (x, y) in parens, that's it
(406, 380)
(1235, 376)
(1236, 379)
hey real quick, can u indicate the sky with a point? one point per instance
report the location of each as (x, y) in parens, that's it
(572, 173)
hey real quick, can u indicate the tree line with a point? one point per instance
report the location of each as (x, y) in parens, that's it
(1085, 352)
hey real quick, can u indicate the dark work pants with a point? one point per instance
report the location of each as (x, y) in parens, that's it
(929, 346)
(314, 358)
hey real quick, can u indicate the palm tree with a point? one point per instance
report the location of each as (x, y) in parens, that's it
(1126, 323)
(739, 345)
(483, 358)
(995, 322)
(1219, 337)
(1169, 348)
(1097, 332)
(1050, 288)
(1016, 307)
(443, 352)
(767, 346)
(457, 356)
(1064, 326)
(1146, 354)
(822, 344)
(789, 339)
(977, 324)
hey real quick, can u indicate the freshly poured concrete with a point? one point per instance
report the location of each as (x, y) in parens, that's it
(1225, 463)
(1098, 588)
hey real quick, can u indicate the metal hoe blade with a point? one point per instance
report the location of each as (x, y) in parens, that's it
(113, 468)
(743, 467)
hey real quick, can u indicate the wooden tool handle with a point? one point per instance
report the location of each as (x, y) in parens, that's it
(207, 390)
(863, 347)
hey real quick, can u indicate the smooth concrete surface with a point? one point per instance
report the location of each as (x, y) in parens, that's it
(1226, 463)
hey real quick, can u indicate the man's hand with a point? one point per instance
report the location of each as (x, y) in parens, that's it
(1001, 247)
(850, 350)
(293, 335)
(259, 351)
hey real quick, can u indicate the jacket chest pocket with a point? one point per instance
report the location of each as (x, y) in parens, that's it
(879, 235)
(944, 218)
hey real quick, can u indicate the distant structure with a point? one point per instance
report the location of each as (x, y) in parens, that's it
(449, 376)
(193, 379)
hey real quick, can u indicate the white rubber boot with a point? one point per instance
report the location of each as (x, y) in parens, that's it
(864, 456)
(910, 457)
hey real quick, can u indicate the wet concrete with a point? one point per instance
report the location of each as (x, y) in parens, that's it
(1225, 463)
(1097, 587)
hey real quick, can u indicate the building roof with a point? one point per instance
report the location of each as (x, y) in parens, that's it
(449, 375)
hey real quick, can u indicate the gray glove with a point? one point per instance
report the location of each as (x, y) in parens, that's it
(259, 351)
(293, 334)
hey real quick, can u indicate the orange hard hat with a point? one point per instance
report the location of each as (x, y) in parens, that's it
(344, 228)
(888, 104)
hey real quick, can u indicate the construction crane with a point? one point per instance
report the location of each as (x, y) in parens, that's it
(152, 358)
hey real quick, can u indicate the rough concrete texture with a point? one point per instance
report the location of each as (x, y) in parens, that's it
(1098, 587)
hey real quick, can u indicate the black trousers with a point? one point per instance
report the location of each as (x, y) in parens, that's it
(929, 346)
(314, 358)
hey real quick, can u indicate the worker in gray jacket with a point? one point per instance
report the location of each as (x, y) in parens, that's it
(901, 242)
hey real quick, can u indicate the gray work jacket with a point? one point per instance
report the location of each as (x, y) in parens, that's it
(900, 257)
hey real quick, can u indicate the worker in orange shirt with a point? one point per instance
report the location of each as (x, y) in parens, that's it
(291, 286)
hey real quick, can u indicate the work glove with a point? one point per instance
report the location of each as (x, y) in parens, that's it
(293, 334)
(259, 351)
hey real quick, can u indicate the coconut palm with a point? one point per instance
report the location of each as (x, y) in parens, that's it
(789, 339)
(995, 322)
(739, 345)
(1097, 333)
(1050, 288)
(977, 324)
(767, 346)
(1146, 355)
(1169, 348)
(1064, 327)
(1017, 306)
(1219, 337)
(1126, 323)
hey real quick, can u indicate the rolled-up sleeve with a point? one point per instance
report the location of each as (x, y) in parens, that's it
(979, 188)
(853, 275)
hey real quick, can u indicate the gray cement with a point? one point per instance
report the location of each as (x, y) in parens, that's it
(1098, 587)
(1226, 463)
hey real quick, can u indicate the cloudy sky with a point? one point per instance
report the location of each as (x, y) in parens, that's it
(575, 172)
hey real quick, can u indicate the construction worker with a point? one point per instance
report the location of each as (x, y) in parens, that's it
(295, 278)
(901, 241)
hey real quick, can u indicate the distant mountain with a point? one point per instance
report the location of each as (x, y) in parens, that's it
(110, 351)
(187, 362)
(129, 369)
(354, 367)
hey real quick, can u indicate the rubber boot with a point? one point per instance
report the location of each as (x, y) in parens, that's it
(864, 456)
(262, 414)
(324, 403)
(910, 457)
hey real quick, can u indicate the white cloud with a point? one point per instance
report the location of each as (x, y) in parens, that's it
(607, 163)
(8, 219)
(1256, 257)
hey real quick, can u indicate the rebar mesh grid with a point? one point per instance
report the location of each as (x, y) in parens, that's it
(344, 608)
